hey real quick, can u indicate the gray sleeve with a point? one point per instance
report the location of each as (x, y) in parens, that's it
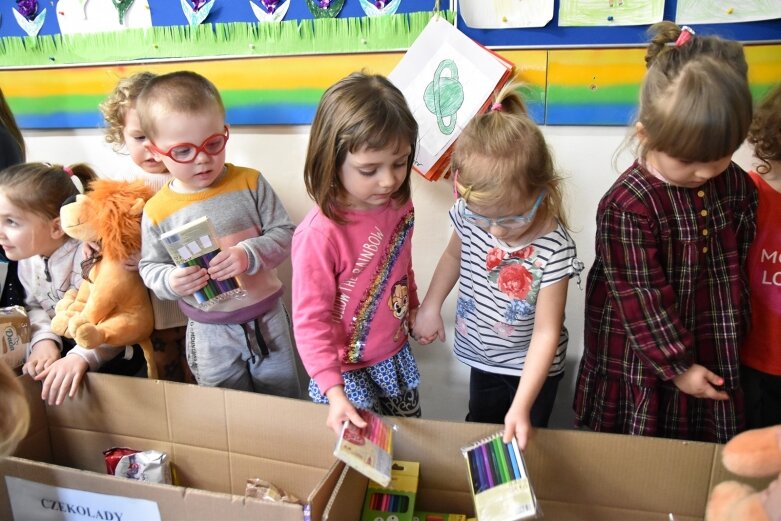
(155, 265)
(40, 321)
(273, 247)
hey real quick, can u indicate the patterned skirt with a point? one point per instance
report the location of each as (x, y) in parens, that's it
(390, 378)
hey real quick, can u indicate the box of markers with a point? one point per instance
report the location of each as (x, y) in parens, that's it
(195, 244)
(368, 450)
(499, 481)
(395, 502)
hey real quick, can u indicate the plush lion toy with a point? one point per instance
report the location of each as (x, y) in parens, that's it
(113, 306)
(753, 454)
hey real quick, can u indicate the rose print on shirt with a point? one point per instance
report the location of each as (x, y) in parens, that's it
(516, 274)
(464, 308)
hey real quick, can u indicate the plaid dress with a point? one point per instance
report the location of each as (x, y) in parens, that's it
(667, 289)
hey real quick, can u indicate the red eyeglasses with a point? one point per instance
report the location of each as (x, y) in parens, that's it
(187, 152)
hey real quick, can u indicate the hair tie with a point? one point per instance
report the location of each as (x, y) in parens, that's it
(74, 179)
(467, 189)
(497, 106)
(686, 35)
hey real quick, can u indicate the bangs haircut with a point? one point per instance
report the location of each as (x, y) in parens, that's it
(700, 114)
(359, 111)
(181, 92)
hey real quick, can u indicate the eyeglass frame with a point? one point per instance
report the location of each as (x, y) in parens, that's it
(473, 218)
(198, 149)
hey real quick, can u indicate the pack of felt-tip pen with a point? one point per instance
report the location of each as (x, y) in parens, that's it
(195, 244)
(500, 483)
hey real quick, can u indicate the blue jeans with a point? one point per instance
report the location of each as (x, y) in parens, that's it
(490, 397)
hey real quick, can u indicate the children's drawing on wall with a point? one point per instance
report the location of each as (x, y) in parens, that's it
(610, 12)
(197, 12)
(501, 14)
(270, 10)
(726, 11)
(446, 79)
(94, 16)
(28, 17)
(380, 7)
(325, 8)
(444, 96)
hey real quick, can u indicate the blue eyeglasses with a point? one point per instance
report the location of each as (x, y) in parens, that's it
(514, 222)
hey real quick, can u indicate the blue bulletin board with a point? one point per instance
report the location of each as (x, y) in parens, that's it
(552, 35)
(169, 12)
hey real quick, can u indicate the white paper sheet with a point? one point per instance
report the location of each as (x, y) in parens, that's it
(32, 500)
(505, 14)
(726, 11)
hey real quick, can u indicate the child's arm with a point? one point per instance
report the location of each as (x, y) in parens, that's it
(639, 289)
(40, 356)
(44, 346)
(548, 319)
(271, 248)
(64, 376)
(428, 322)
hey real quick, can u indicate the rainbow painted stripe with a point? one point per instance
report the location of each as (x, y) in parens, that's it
(562, 87)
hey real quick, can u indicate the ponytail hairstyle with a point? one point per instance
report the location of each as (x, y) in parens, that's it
(123, 98)
(692, 106)
(501, 157)
(42, 188)
(8, 121)
(359, 111)
(765, 131)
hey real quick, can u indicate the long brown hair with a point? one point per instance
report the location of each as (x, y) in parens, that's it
(501, 157)
(42, 188)
(765, 131)
(9, 122)
(692, 106)
(358, 111)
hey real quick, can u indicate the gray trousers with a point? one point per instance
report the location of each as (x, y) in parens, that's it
(257, 356)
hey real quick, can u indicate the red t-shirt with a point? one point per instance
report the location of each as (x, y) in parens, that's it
(762, 349)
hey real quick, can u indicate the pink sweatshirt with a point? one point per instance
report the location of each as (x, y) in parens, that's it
(353, 286)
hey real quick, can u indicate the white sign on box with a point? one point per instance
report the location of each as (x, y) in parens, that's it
(31, 500)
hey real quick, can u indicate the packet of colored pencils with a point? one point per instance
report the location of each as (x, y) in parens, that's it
(499, 480)
(195, 244)
(367, 450)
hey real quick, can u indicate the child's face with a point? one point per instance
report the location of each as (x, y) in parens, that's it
(26, 234)
(175, 131)
(370, 177)
(686, 174)
(135, 141)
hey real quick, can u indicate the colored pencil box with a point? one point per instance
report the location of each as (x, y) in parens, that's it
(195, 244)
(433, 516)
(499, 481)
(368, 450)
(396, 502)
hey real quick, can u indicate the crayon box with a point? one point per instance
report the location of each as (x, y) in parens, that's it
(500, 483)
(368, 450)
(396, 502)
(195, 244)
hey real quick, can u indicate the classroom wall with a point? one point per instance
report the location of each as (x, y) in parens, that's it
(584, 155)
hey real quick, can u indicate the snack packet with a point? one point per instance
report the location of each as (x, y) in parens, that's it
(148, 465)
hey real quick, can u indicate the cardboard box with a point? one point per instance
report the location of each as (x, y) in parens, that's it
(216, 440)
(576, 475)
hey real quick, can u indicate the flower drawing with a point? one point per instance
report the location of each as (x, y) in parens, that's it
(494, 258)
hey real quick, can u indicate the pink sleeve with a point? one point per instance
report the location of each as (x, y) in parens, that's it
(314, 293)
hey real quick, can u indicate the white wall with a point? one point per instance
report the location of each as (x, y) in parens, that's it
(584, 156)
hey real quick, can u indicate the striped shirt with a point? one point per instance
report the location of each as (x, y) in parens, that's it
(497, 296)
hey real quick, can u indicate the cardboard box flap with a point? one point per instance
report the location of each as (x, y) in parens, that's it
(632, 472)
